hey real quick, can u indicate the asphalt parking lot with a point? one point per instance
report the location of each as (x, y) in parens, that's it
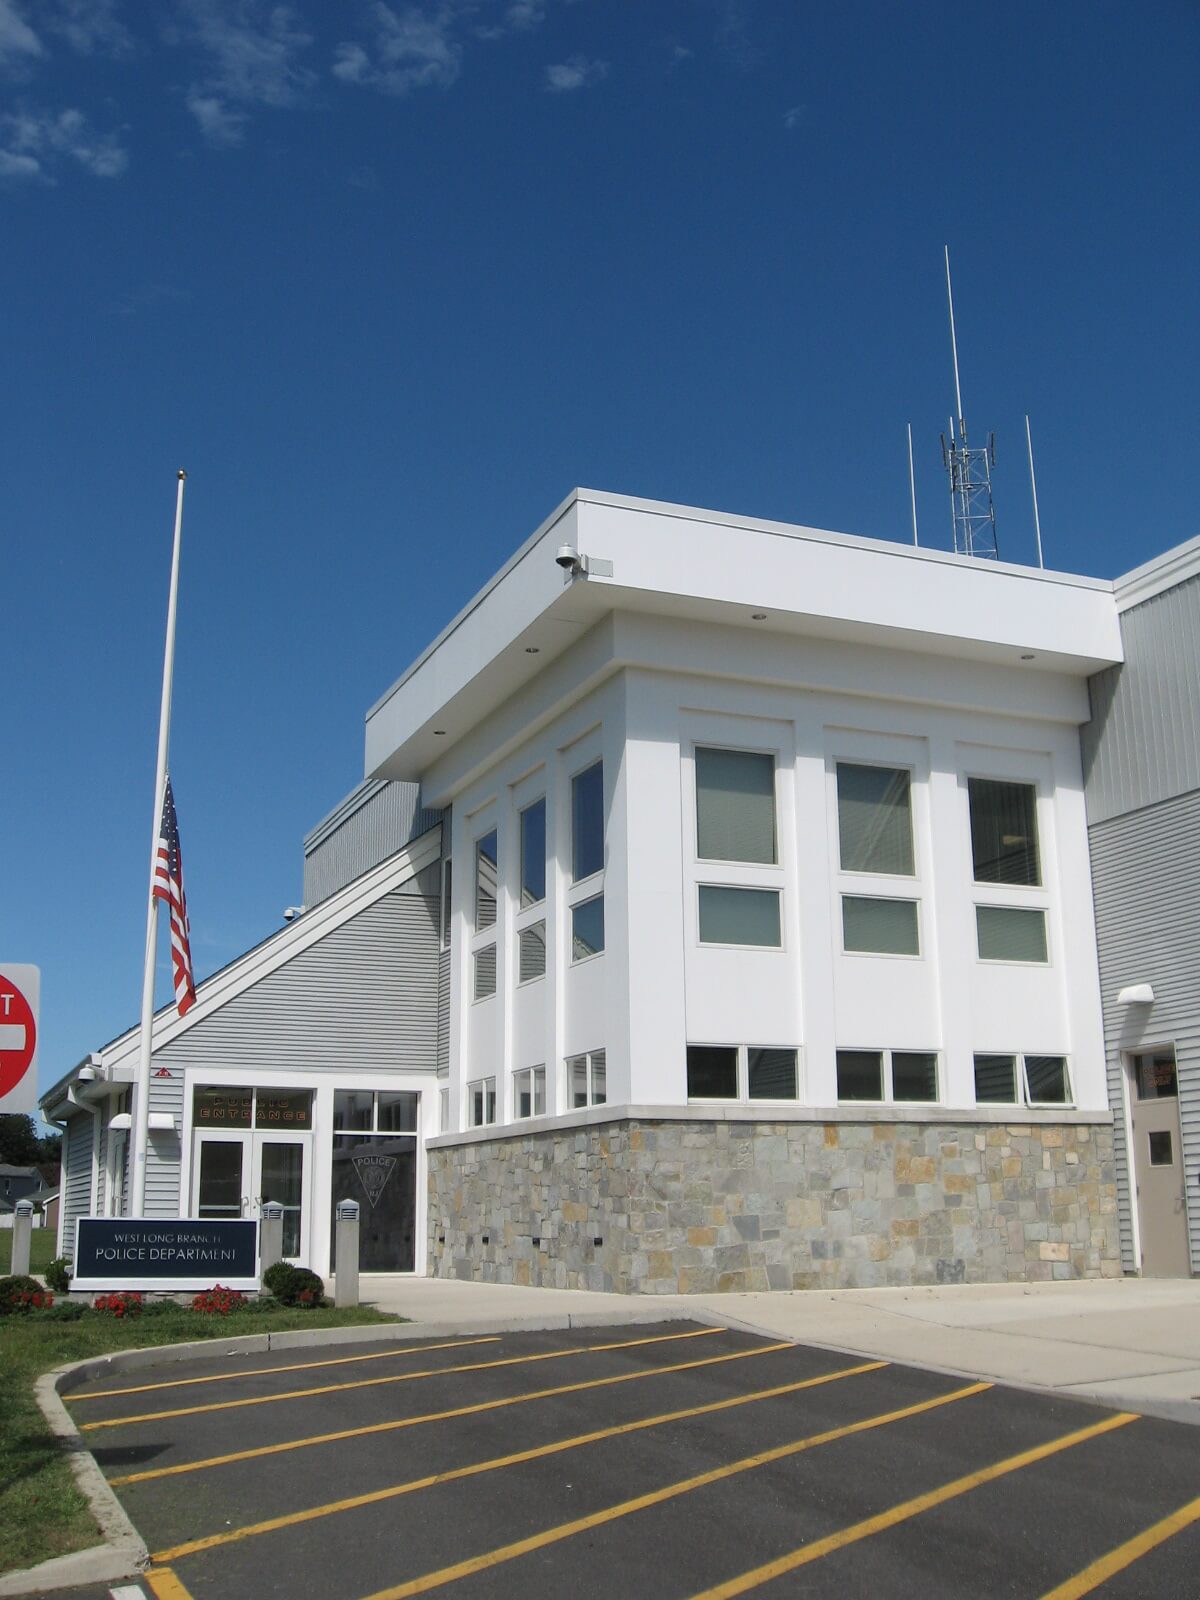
(685, 1462)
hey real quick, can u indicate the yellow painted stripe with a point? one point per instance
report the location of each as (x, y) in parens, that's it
(266, 1372)
(444, 1416)
(164, 1585)
(901, 1513)
(354, 1502)
(1126, 1554)
(395, 1377)
(671, 1491)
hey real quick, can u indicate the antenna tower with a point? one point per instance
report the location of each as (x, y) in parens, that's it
(970, 470)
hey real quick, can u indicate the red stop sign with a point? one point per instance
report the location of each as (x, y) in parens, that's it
(18, 1035)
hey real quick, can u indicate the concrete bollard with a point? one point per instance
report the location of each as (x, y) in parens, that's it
(22, 1232)
(346, 1276)
(270, 1237)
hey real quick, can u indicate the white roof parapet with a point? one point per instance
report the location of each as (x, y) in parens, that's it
(709, 567)
(1173, 567)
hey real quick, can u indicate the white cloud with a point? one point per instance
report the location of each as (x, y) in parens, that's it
(90, 27)
(576, 73)
(253, 49)
(18, 43)
(413, 48)
(793, 116)
(34, 143)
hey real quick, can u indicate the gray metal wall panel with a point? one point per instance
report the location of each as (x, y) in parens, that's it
(1143, 743)
(77, 1175)
(388, 817)
(1146, 884)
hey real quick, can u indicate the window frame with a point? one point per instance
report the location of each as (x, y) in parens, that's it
(887, 1078)
(590, 1058)
(522, 812)
(536, 1076)
(519, 936)
(1019, 1058)
(776, 842)
(883, 955)
(878, 765)
(488, 1096)
(1013, 782)
(740, 888)
(742, 1067)
(573, 907)
(1014, 961)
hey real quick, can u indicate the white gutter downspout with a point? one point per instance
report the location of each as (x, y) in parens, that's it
(96, 1114)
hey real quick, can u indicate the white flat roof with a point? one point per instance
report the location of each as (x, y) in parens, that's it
(688, 562)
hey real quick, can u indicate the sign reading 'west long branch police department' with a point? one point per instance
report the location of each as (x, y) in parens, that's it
(174, 1253)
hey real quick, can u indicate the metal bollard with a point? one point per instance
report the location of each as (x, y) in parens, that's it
(346, 1276)
(270, 1237)
(22, 1230)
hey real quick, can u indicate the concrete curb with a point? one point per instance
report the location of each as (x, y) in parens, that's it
(123, 1553)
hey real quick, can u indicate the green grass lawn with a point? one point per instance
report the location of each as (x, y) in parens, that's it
(42, 1513)
(41, 1250)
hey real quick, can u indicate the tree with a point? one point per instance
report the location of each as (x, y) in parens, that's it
(19, 1142)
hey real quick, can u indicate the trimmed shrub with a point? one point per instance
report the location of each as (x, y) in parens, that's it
(19, 1295)
(64, 1311)
(296, 1286)
(58, 1275)
(280, 1273)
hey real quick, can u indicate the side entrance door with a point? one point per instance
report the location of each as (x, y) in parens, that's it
(1158, 1165)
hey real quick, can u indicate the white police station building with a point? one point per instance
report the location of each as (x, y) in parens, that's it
(716, 914)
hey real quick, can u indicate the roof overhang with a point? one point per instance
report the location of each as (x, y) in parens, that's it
(705, 567)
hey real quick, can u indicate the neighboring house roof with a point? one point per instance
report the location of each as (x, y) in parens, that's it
(117, 1060)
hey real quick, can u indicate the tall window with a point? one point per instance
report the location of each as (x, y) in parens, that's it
(587, 822)
(533, 853)
(1004, 844)
(481, 1097)
(485, 881)
(875, 819)
(735, 806)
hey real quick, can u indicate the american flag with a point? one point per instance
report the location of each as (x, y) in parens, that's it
(168, 886)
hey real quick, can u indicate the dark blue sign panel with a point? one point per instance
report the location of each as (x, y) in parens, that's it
(175, 1253)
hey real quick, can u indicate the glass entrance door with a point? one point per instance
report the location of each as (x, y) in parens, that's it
(220, 1164)
(281, 1175)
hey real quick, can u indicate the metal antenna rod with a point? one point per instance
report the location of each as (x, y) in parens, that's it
(954, 343)
(912, 485)
(1037, 521)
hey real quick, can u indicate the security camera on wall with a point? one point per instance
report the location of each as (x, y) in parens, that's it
(568, 558)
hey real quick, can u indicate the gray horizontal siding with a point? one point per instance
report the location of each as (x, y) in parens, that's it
(77, 1175)
(164, 1150)
(1146, 883)
(362, 833)
(1143, 742)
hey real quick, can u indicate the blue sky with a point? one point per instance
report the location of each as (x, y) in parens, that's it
(390, 279)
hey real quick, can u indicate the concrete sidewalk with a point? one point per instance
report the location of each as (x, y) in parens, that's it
(1131, 1343)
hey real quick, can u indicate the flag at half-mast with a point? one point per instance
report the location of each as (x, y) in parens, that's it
(168, 886)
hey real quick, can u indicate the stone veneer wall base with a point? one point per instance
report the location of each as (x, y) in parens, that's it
(638, 1206)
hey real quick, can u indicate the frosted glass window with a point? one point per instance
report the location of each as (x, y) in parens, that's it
(532, 958)
(533, 853)
(485, 881)
(587, 928)
(587, 822)
(739, 916)
(1006, 934)
(771, 1074)
(735, 805)
(875, 819)
(485, 972)
(1046, 1077)
(996, 1080)
(860, 1075)
(883, 927)
(1004, 847)
(712, 1072)
(914, 1075)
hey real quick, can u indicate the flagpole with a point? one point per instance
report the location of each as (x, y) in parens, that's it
(141, 1122)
